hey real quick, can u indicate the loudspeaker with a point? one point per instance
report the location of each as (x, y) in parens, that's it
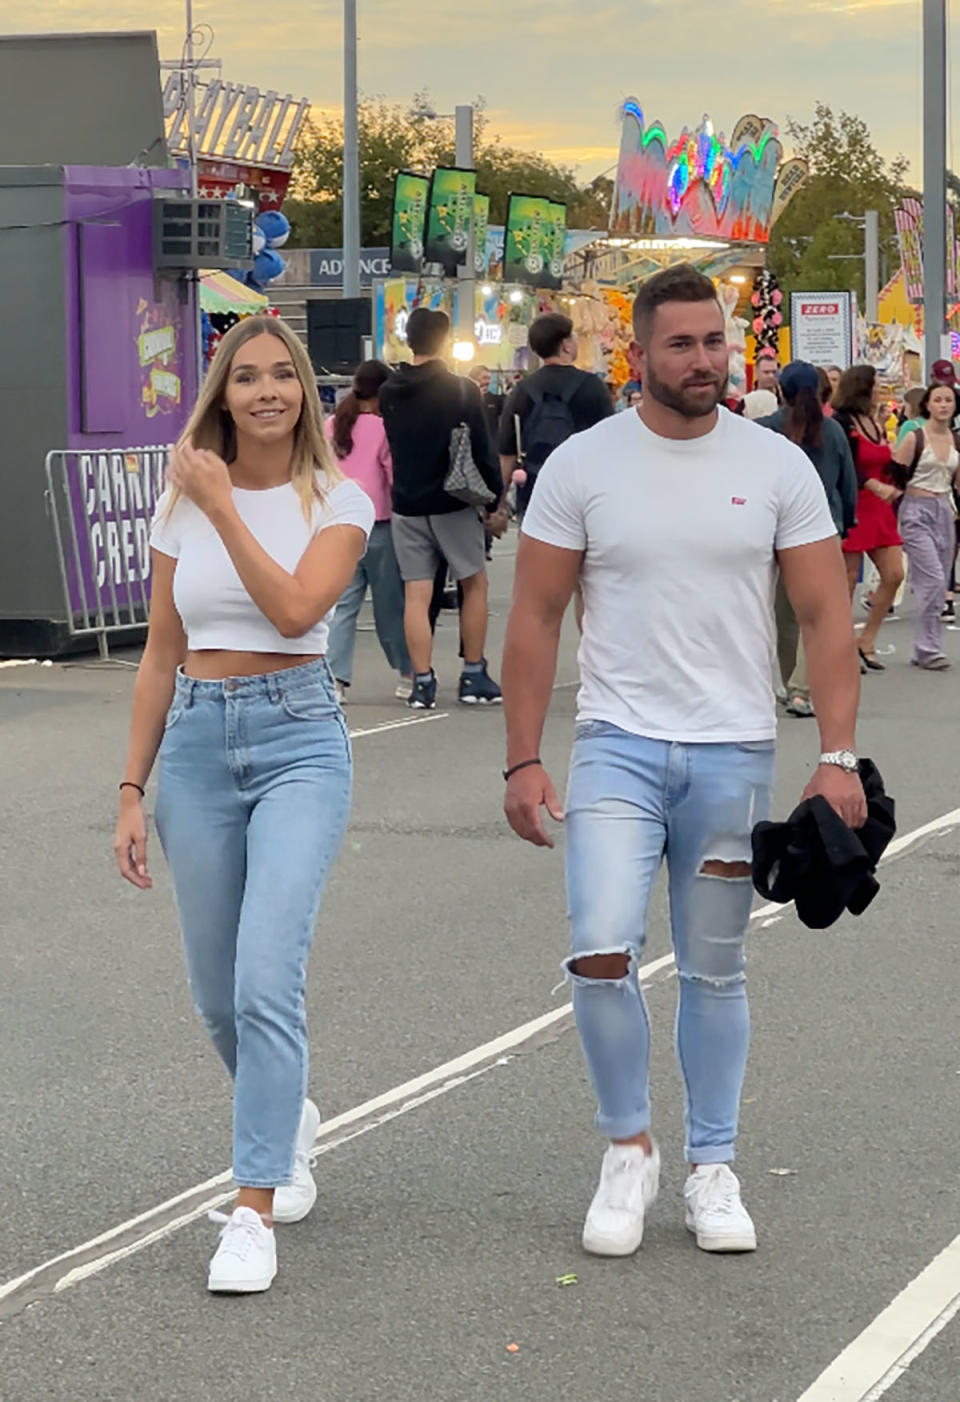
(202, 234)
(335, 332)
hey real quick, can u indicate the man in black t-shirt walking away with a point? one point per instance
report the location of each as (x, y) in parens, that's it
(421, 405)
(550, 405)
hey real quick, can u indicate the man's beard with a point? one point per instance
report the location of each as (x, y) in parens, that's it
(680, 400)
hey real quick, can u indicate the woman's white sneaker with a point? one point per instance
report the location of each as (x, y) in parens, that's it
(246, 1259)
(629, 1183)
(715, 1213)
(293, 1201)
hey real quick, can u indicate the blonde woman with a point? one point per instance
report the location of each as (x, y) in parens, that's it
(255, 539)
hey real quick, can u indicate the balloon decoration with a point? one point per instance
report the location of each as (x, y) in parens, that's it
(271, 229)
(766, 302)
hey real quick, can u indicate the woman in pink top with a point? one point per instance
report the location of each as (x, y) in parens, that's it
(360, 443)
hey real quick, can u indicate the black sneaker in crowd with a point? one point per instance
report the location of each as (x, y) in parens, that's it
(949, 612)
(478, 689)
(423, 697)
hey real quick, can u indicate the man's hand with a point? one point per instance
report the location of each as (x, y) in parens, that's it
(843, 792)
(527, 793)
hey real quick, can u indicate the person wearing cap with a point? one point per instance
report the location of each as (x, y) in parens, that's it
(802, 420)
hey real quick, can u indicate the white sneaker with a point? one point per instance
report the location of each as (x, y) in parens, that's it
(246, 1259)
(714, 1210)
(340, 691)
(629, 1183)
(404, 689)
(292, 1202)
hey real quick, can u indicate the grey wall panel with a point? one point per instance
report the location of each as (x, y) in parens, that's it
(81, 99)
(33, 392)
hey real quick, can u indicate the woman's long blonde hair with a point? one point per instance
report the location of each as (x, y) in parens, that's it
(210, 425)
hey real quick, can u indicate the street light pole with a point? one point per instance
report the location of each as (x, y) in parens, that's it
(191, 103)
(934, 182)
(467, 289)
(351, 155)
(871, 257)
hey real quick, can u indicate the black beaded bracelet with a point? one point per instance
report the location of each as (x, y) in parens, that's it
(129, 784)
(527, 764)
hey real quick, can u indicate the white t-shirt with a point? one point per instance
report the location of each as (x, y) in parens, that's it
(216, 610)
(679, 571)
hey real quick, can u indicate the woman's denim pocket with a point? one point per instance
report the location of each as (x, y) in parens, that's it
(176, 710)
(310, 703)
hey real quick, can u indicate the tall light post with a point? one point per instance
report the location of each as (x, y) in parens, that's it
(467, 273)
(351, 154)
(870, 224)
(934, 178)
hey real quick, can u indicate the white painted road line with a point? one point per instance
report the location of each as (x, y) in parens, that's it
(399, 724)
(881, 1355)
(132, 1236)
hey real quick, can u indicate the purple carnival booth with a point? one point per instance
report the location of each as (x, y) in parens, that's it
(98, 364)
(100, 367)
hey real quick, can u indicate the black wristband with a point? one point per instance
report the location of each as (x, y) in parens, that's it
(527, 764)
(129, 784)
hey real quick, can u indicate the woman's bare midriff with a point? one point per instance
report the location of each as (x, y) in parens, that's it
(216, 666)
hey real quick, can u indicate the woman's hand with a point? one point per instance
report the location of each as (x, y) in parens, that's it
(202, 476)
(885, 491)
(130, 841)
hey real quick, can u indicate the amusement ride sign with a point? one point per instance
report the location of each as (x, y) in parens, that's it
(242, 136)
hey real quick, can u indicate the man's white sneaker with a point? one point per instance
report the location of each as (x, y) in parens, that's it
(629, 1183)
(292, 1202)
(714, 1210)
(246, 1259)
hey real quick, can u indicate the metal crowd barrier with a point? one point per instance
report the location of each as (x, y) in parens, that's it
(101, 505)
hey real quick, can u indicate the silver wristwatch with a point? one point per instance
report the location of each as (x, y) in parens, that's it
(843, 759)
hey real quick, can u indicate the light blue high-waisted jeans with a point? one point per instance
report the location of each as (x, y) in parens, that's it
(254, 784)
(630, 802)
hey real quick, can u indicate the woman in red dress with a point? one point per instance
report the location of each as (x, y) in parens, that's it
(855, 405)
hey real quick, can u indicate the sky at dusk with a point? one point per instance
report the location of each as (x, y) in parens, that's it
(554, 72)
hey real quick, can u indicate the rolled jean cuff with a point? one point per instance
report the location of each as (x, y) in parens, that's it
(263, 1187)
(623, 1128)
(710, 1153)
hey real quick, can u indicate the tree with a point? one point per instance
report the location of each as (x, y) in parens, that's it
(812, 247)
(393, 139)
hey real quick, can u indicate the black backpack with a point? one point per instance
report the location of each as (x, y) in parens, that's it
(550, 421)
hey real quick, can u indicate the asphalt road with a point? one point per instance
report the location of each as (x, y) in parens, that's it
(441, 1230)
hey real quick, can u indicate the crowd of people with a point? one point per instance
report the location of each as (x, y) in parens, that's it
(273, 526)
(392, 433)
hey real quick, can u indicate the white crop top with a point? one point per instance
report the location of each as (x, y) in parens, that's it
(933, 475)
(213, 604)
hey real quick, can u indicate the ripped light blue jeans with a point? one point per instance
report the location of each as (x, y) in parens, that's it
(253, 796)
(632, 801)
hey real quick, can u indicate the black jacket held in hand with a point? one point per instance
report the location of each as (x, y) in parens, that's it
(421, 405)
(816, 861)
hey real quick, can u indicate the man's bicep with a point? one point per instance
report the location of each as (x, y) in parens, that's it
(545, 576)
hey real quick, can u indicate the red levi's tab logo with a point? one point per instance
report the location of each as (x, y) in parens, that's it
(738, 501)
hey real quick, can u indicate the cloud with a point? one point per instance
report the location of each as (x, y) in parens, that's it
(554, 72)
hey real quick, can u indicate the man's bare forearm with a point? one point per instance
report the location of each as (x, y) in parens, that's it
(834, 675)
(528, 672)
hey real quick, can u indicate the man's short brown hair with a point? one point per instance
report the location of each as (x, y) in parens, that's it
(681, 283)
(548, 333)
